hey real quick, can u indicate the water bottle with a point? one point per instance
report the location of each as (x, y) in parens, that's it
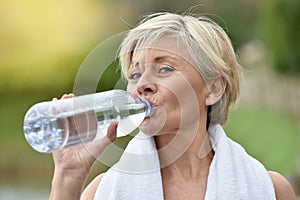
(53, 125)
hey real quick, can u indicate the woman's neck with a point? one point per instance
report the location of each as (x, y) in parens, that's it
(185, 155)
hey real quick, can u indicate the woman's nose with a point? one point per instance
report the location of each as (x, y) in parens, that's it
(147, 89)
(146, 84)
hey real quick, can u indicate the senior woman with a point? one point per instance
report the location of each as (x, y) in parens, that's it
(187, 68)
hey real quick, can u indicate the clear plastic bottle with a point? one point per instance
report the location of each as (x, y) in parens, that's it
(53, 125)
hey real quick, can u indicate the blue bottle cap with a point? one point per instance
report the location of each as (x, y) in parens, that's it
(148, 106)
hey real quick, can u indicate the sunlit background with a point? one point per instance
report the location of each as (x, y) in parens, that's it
(43, 43)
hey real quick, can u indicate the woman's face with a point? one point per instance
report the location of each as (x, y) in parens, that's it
(166, 75)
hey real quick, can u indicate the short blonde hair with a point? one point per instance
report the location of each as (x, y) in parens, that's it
(208, 45)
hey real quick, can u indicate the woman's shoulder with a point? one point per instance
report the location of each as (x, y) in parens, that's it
(90, 190)
(283, 188)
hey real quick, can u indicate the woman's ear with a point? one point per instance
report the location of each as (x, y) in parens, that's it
(216, 90)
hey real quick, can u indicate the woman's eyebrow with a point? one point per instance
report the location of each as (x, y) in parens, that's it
(160, 59)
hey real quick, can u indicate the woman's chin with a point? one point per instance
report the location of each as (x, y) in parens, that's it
(150, 127)
(145, 126)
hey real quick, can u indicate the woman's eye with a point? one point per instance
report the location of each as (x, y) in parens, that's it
(165, 69)
(134, 76)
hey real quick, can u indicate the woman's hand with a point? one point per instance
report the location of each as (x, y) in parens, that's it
(73, 164)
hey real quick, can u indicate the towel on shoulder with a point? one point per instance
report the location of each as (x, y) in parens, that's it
(233, 173)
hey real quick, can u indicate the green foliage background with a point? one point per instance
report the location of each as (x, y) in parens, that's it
(280, 30)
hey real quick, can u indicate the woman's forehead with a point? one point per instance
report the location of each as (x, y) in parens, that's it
(161, 48)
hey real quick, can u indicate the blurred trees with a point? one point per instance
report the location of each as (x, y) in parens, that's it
(44, 43)
(280, 27)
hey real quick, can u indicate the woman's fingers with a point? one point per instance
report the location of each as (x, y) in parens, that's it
(66, 96)
(95, 148)
(112, 131)
(55, 109)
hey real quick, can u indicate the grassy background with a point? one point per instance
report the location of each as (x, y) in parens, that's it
(268, 135)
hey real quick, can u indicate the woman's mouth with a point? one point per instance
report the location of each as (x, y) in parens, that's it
(145, 121)
(148, 118)
(153, 108)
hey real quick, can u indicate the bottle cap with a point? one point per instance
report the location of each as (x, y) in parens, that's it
(148, 106)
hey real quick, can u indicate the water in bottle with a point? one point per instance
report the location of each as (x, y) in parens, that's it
(53, 125)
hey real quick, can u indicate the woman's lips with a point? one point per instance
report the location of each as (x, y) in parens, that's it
(147, 119)
(154, 107)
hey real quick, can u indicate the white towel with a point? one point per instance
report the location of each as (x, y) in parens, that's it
(137, 174)
(233, 174)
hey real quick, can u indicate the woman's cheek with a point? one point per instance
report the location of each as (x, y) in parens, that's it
(131, 87)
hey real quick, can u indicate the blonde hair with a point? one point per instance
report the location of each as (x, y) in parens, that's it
(208, 45)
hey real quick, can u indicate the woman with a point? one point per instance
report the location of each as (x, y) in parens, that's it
(187, 68)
